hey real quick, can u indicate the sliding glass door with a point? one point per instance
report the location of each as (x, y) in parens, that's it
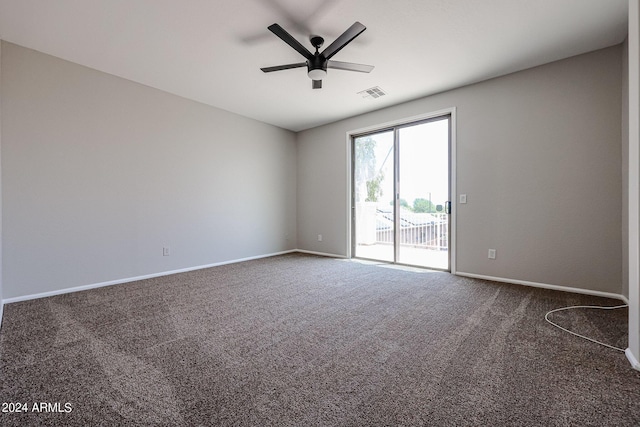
(401, 192)
(373, 192)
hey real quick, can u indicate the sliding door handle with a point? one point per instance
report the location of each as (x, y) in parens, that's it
(447, 207)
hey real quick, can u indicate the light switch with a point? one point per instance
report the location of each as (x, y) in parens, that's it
(463, 198)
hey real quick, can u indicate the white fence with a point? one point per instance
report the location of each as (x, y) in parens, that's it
(427, 231)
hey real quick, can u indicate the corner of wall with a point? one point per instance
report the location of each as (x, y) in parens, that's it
(1, 297)
(634, 181)
(625, 168)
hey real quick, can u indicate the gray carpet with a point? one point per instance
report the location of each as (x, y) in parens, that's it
(303, 340)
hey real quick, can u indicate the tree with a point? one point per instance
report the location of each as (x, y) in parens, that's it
(366, 174)
(373, 188)
(421, 205)
(365, 165)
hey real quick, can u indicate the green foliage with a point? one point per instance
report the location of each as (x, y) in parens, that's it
(373, 188)
(366, 164)
(365, 159)
(365, 171)
(423, 206)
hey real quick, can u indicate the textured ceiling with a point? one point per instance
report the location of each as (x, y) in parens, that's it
(211, 51)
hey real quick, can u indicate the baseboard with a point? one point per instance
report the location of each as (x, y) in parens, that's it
(134, 279)
(200, 267)
(303, 251)
(546, 286)
(631, 358)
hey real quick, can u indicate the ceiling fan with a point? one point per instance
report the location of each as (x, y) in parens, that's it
(318, 62)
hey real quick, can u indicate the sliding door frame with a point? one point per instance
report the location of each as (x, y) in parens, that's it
(395, 125)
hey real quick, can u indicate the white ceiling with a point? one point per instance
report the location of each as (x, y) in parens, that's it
(212, 50)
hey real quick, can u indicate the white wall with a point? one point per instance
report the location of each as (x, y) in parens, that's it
(99, 173)
(625, 168)
(539, 157)
(633, 352)
(1, 293)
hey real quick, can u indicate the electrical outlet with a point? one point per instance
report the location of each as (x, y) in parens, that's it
(492, 254)
(165, 251)
(319, 237)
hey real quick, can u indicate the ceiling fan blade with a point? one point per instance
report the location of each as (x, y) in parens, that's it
(344, 39)
(288, 39)
(284, 67)
(350, 66)
(317, 84)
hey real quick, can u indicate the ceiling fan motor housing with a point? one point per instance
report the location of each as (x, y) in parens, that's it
(317, 67)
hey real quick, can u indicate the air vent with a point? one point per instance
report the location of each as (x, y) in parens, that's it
(372, 92)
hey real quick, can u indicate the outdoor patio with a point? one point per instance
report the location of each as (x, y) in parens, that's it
(410, 255)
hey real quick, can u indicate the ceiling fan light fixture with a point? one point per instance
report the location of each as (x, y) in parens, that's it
(317, 74)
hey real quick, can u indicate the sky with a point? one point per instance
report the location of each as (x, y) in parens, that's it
(424, 162)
